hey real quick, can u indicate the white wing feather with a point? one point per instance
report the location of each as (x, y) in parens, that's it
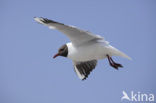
(77, 36)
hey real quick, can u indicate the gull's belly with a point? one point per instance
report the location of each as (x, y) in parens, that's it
(86, 53)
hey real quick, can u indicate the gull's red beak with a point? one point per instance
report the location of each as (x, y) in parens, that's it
(56, 55)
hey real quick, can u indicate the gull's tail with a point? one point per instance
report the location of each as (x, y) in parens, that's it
(116, 52)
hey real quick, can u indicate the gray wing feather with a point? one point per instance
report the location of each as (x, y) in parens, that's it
(83, 69)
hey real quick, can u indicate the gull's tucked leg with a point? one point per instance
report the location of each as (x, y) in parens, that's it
(112, 63)
(119, 65)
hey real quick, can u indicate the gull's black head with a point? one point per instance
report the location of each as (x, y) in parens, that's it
(63, 51)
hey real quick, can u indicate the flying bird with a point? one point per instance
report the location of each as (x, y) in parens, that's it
(85, 48)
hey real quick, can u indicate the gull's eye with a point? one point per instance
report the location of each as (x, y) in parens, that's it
(61, 50)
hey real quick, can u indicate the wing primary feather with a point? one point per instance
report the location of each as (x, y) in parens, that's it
(83, 69)
(76, 35)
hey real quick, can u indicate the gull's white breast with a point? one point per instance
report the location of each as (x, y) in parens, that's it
(86, 52)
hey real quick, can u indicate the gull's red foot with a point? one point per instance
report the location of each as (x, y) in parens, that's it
(112, 63)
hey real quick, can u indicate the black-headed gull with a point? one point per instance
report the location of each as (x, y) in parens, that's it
(84, 49)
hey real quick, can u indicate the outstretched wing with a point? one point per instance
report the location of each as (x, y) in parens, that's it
(77, 36)
(83, 69)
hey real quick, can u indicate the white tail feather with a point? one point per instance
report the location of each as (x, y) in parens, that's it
(116, 52)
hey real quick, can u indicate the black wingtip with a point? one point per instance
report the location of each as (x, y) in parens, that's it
(45, 20)
(84, 78)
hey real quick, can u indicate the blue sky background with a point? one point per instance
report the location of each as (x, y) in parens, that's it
(29, 74)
